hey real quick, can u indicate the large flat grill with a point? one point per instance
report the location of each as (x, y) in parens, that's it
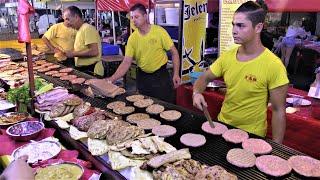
(212, 153)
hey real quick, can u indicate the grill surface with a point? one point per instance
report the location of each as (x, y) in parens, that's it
(212, 153)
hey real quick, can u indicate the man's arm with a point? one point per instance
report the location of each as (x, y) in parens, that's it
(176, 66)
(122, 69)
(277, 99)
(49, 44)
(92, 51)
(198, 88)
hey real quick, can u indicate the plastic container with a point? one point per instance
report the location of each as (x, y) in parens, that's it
(109, 49)
(194, 76)
(25, 131)
(172, 16)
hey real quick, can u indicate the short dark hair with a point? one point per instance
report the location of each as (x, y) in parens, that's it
(74, 10)
(139, 7)
(255, 13)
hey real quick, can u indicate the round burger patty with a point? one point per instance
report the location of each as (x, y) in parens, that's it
(217, 130)
(235, 135)
(170, 115)
(68, 77)
(116, 104)
(77, 81)
(50, 73)
(66, 70)
(305, 166)
(241, 158)
(134, 98)
(155, 109)
(256, 146)
(134, 118)
(143, 103)
(193, 140)
(148, 123)
(59, 74)
(273, 165)
(164, 130)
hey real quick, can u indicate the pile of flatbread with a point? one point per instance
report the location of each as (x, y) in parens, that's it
(106, 88)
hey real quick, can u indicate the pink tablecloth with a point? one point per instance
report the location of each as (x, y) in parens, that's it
(302, 130)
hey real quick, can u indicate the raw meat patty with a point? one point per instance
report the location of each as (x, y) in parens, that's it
(148, 123)
(77, 81)
(66, 70)
(50, 73)
(116, 104)
(305, 165)
(59, 74)
(256, 146)
(273, 165)
(193, 140)
(241, 158)
(235, 135)
(164, 130)
(68, 77)
(170, 115)
(217, 130)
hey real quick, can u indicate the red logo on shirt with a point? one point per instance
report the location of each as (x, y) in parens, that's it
(251, 78)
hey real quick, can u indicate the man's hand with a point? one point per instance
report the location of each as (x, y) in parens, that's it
(199, 101)
(18, 169)
(69, 54)
(176, 81)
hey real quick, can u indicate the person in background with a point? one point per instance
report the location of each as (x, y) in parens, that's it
(87, 45)
(148, 46)
(18, 170)
(60, 38)
(289, 41)
(253, 74)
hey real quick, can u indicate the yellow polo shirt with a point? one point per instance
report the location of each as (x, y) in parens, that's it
(248, 83)
(149, 50)
(61, 36)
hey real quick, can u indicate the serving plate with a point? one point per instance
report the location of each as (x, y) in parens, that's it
(38, 151)
(11, 118)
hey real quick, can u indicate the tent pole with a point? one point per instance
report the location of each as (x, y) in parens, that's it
(96, 14)
(114, 29)
(47, 13)
(119, 18)
(31, 76)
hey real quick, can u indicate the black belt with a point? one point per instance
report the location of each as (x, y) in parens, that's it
(163, 67)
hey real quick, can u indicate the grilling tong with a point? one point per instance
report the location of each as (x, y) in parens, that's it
(208, 117)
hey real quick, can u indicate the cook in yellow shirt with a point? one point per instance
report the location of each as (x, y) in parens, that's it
(87, 34)
(60, 36)
(149, 50)
(248, 83)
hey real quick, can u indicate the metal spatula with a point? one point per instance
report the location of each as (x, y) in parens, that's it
(208, 117)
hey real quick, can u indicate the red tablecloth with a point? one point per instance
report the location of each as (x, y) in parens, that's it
(8, 145)
(302, 130)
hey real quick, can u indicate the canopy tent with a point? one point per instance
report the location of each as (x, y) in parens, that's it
(293, 5)
(119, 5)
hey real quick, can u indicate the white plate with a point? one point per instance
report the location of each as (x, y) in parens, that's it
(304, 102)
(4, 105)
(38, 151)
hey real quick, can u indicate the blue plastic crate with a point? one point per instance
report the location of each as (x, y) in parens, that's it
(109, 49)
(194, 76)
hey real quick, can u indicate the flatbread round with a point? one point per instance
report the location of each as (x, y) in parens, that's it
(155, 109)
(235, 135)
(273, 165)
(217, 130)
(134, 98)
(143, 103)
(256, 146)
(124, 110)
(164, 130)
(116, 104)
(170, 115)
(193, 140)
(305, 166)
(241, 158)
(133, 118)
(148, 123)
